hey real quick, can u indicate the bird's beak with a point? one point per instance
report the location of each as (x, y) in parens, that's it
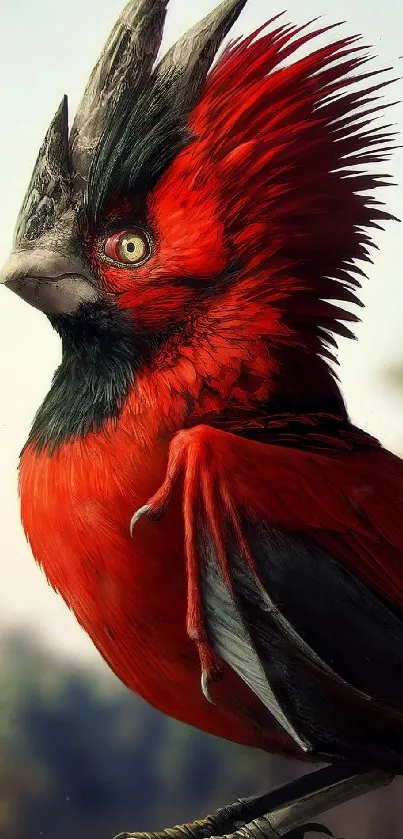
(52, 282)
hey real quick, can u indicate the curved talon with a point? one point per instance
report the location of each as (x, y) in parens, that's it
(313, 827)
(142, 511)
(204, 686)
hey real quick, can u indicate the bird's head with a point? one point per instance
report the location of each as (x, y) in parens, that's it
(232, 203)
(117, 213)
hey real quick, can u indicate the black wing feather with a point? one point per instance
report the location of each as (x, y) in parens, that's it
(320, 649)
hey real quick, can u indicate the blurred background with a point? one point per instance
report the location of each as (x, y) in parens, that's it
(79, 755)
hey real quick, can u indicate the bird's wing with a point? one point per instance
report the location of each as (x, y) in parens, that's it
(297, 560)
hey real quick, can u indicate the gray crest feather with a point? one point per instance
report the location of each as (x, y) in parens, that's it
(184, 68)
(49, 191)
(131, 122)
(125, 64)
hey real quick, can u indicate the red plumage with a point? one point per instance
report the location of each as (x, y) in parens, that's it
(262, 216)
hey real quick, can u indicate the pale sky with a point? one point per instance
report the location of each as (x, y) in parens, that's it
(48, 49)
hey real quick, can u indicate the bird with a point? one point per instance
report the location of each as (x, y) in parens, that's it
(192, 485)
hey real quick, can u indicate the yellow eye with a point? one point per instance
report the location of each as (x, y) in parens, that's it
(130, 247)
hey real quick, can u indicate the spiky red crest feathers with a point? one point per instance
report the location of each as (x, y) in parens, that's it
(275, 184)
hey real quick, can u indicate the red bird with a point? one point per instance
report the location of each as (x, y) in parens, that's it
(194, 241)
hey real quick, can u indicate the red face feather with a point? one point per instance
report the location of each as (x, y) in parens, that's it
(274, 184)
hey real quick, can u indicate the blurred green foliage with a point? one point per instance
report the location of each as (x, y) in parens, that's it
(82, 758)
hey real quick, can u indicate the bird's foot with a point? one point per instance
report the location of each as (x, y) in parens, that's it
(195, 468)
(255, 830)
(190, 453)
(282, 812)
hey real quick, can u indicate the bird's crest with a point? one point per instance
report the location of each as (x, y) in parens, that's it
(132, 118)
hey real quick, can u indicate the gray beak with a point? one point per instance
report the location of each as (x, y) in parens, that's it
(44, 267)
(54, 283)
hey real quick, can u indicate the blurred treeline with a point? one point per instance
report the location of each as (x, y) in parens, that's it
(82, 758)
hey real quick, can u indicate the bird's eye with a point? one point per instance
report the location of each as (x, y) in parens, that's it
(130, 247)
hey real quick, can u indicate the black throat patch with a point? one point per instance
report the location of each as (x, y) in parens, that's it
(101, 354)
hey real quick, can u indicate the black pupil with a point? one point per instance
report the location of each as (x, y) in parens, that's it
(130, 247)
